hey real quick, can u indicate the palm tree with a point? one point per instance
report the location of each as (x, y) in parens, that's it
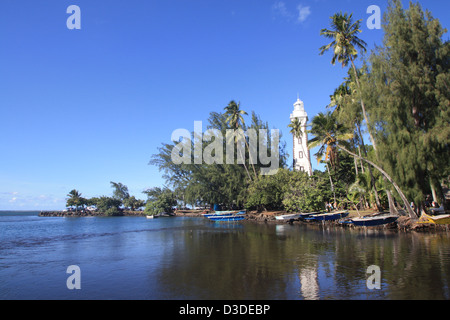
(345, 43)
(344, 96)
(75, 199)
(236, 120)
(234, 114)
(331, 136)
(297, 132)
(327, 132)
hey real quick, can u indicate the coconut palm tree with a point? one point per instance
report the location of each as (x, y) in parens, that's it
(297, 132)
(345, 44)
(75, 199)
(344, 97)
(235, 120)
(327, 132)
(331, 136)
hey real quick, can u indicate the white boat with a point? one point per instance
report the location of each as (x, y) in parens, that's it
(293, 216)
(223, 213)
(150, 216)
(288, 216)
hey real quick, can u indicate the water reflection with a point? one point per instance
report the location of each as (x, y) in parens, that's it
(263, 261)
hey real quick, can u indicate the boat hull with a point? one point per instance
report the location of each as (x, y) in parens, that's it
(439, 219)
(373, 221)
(287, 217)
(223, 214)
(227, 218)
(217, 215)
(328, 216)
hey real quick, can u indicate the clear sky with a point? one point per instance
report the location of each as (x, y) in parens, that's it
(81, 108)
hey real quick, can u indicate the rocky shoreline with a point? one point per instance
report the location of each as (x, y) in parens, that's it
(403, 223)
(87, 213)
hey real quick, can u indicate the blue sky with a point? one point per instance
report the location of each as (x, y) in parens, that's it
(81, 108)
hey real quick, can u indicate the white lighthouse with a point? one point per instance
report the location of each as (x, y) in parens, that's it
(302, 159)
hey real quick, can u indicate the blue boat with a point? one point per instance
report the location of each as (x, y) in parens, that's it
(329, 216)
(219, 214)
(223, 213)
(235, 217)
(372, 221)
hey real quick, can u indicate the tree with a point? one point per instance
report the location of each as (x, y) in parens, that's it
(331, 136)
(235, 120)
(120, 191)
(327, 131)
(222, 183)
(75, 199)
(133, 203)
(346, 99)
(407, 89)
(159, 201)
(345, 44)
(302, 194)
(297, 132)
(268, 192)
(108, 205)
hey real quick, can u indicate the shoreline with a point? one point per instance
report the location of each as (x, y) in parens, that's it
(125, 213)
(403, 224)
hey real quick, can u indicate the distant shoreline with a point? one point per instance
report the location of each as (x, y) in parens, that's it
(56, 213)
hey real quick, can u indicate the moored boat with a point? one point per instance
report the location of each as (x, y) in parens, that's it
(329, 216)
(287, 217)
(372, 221)
(235, 217)
(438, 219)
(223, 213)
(293, 216)
(219, 214)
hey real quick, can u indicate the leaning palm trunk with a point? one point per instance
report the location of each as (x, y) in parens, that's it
(250, 158)
(397, 188)
(363, 107)
(331, 183)
(377, 199)
(242, 157)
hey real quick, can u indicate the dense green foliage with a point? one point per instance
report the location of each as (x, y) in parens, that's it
(159, 201)
(402, 89)
(400, 97)
(219, 182)
(407, 89)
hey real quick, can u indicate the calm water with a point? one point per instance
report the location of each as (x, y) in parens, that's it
(193, 258)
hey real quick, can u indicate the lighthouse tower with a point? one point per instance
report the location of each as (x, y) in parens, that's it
(302, 159)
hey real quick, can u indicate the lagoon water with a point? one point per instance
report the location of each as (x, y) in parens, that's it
(193, 258)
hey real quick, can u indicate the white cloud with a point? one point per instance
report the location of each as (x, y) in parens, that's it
(280, 9)
(303, 13)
